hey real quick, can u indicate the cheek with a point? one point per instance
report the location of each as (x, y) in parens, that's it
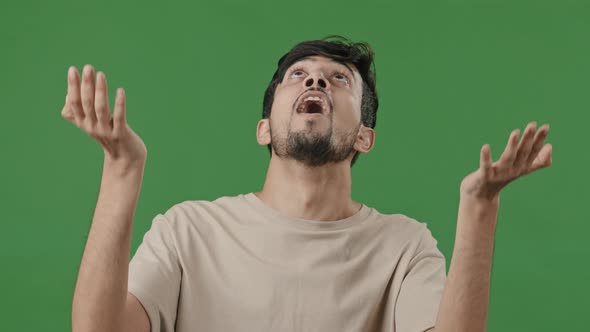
(281, 107)
(279, 114)
(282, 104)
(349, 110)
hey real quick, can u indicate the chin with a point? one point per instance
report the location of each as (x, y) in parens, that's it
(311, 129)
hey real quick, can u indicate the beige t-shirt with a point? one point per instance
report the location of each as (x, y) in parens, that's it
(236, 264)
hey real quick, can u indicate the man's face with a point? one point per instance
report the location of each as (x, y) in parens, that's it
(316, 112)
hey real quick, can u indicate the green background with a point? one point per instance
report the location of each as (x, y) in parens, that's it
(451, 76)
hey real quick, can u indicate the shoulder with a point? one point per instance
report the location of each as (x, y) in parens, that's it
(412, 234)
(400, 223)
(191, 211)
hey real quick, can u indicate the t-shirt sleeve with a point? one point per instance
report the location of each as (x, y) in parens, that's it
(155, 275)
(422, 287)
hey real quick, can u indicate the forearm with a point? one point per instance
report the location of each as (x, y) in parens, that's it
(464, 303)
(101, 287)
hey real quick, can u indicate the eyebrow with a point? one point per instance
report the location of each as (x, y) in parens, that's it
(349, 69)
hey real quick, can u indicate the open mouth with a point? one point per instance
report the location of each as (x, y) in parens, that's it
(313, 105)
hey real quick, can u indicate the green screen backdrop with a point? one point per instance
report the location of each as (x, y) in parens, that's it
(451, 76)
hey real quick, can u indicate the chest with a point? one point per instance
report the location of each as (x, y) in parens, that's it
(286, 281)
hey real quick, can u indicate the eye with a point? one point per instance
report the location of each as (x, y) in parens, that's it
(297, 73)
(341, 77)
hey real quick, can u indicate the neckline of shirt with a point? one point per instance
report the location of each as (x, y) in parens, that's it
(279, 217)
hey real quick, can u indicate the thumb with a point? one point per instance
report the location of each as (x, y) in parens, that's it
(119, 116)
(485, 160)
(66, 111)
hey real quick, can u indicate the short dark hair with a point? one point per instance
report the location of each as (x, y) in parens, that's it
(339, 49)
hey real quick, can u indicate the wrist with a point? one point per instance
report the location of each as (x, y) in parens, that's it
(483, 201)
(478, 215)
(123, 168)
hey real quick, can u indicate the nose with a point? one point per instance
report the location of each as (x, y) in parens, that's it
(317, 80)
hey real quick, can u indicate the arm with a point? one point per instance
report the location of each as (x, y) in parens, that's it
(100, 295)
(464, 303)
(101, 301)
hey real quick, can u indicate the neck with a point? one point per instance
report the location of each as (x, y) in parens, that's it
(318, 193)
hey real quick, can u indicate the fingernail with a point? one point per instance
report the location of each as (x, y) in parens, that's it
(90, 69)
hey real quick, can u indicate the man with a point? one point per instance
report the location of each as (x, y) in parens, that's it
(300, 255)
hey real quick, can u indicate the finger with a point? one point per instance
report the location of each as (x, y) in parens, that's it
(485, 159)
(525, 145)
(101, 101)
(88, 92)
(544, 158)
(66, 111)
(509, 154)
(74, 101)
(119, 117)
(538, 142)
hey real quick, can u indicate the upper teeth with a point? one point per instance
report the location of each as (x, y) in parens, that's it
(313, 98)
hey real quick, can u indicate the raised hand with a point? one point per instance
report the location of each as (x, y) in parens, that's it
(87, 107)
(518, 159)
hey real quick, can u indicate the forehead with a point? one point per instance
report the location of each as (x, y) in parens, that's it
(322, 60)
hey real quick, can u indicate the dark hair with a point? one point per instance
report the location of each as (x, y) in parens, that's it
(339, 49)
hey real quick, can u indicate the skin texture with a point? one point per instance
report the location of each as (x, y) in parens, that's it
(317, 189)
(101, 301)
(464, 304)
(323, 192)
(296, 187)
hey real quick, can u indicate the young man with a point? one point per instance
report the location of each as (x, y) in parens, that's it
(300, 255)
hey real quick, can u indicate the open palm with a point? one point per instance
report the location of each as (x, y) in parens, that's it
(518, 159)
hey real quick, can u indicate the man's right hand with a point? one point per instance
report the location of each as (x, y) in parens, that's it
(87, 107)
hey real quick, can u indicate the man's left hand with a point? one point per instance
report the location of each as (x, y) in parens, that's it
(518, 159)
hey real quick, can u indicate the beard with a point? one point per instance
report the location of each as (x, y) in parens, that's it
(314, 149)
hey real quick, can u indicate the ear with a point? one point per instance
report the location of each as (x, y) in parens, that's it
(365, 139)
(263, 132)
